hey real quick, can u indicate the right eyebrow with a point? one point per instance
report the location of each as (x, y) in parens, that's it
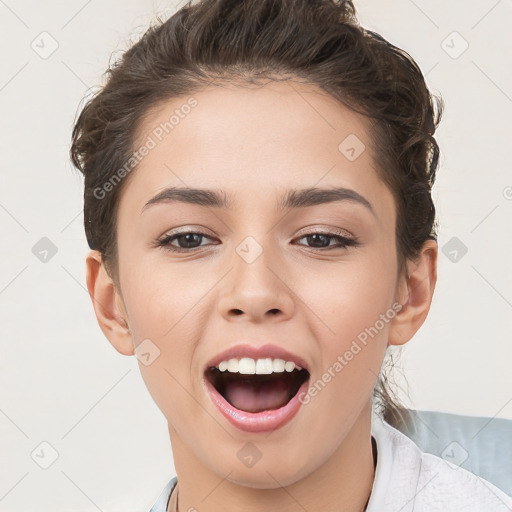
(198, 196)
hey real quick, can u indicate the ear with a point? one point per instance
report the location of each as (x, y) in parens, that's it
(415, 292)
(108, 305)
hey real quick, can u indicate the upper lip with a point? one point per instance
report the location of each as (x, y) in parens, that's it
(256, 352)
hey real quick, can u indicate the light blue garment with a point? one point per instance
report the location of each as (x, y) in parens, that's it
(451, 448)
(484, 445)
(163, 499)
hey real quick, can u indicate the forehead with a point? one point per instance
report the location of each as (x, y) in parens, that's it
(253, 139)
(244, 118)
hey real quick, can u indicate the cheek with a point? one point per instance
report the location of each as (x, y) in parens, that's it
(351, 303)
(351, 311)
(165, 313)
(169, 313)
(352, 293)
(161, 299)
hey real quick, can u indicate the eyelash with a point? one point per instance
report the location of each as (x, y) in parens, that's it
(343, 241)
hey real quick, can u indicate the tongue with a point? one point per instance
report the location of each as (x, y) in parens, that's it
(253, 396)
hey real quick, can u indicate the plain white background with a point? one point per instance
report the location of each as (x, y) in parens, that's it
(61, 382)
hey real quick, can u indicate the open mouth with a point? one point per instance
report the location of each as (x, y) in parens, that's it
(257, 392)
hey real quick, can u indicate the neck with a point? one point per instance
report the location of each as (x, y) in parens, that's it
(344, 479)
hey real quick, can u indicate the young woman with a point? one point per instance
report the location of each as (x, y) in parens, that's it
(258, 179)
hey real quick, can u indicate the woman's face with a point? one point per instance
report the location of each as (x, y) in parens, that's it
(258, 274)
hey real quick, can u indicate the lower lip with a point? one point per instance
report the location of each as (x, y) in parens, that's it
(263, 421)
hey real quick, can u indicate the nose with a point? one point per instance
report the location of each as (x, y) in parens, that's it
(256, 290)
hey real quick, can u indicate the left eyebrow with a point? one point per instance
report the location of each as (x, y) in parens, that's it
(314, 196)
(292, 199)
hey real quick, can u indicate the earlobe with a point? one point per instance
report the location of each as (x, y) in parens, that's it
(108, 305)
(415, 293)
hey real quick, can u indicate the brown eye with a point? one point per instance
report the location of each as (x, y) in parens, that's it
(323, 240)
(186, 241)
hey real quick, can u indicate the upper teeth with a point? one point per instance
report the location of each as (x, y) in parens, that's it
(247, 365)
